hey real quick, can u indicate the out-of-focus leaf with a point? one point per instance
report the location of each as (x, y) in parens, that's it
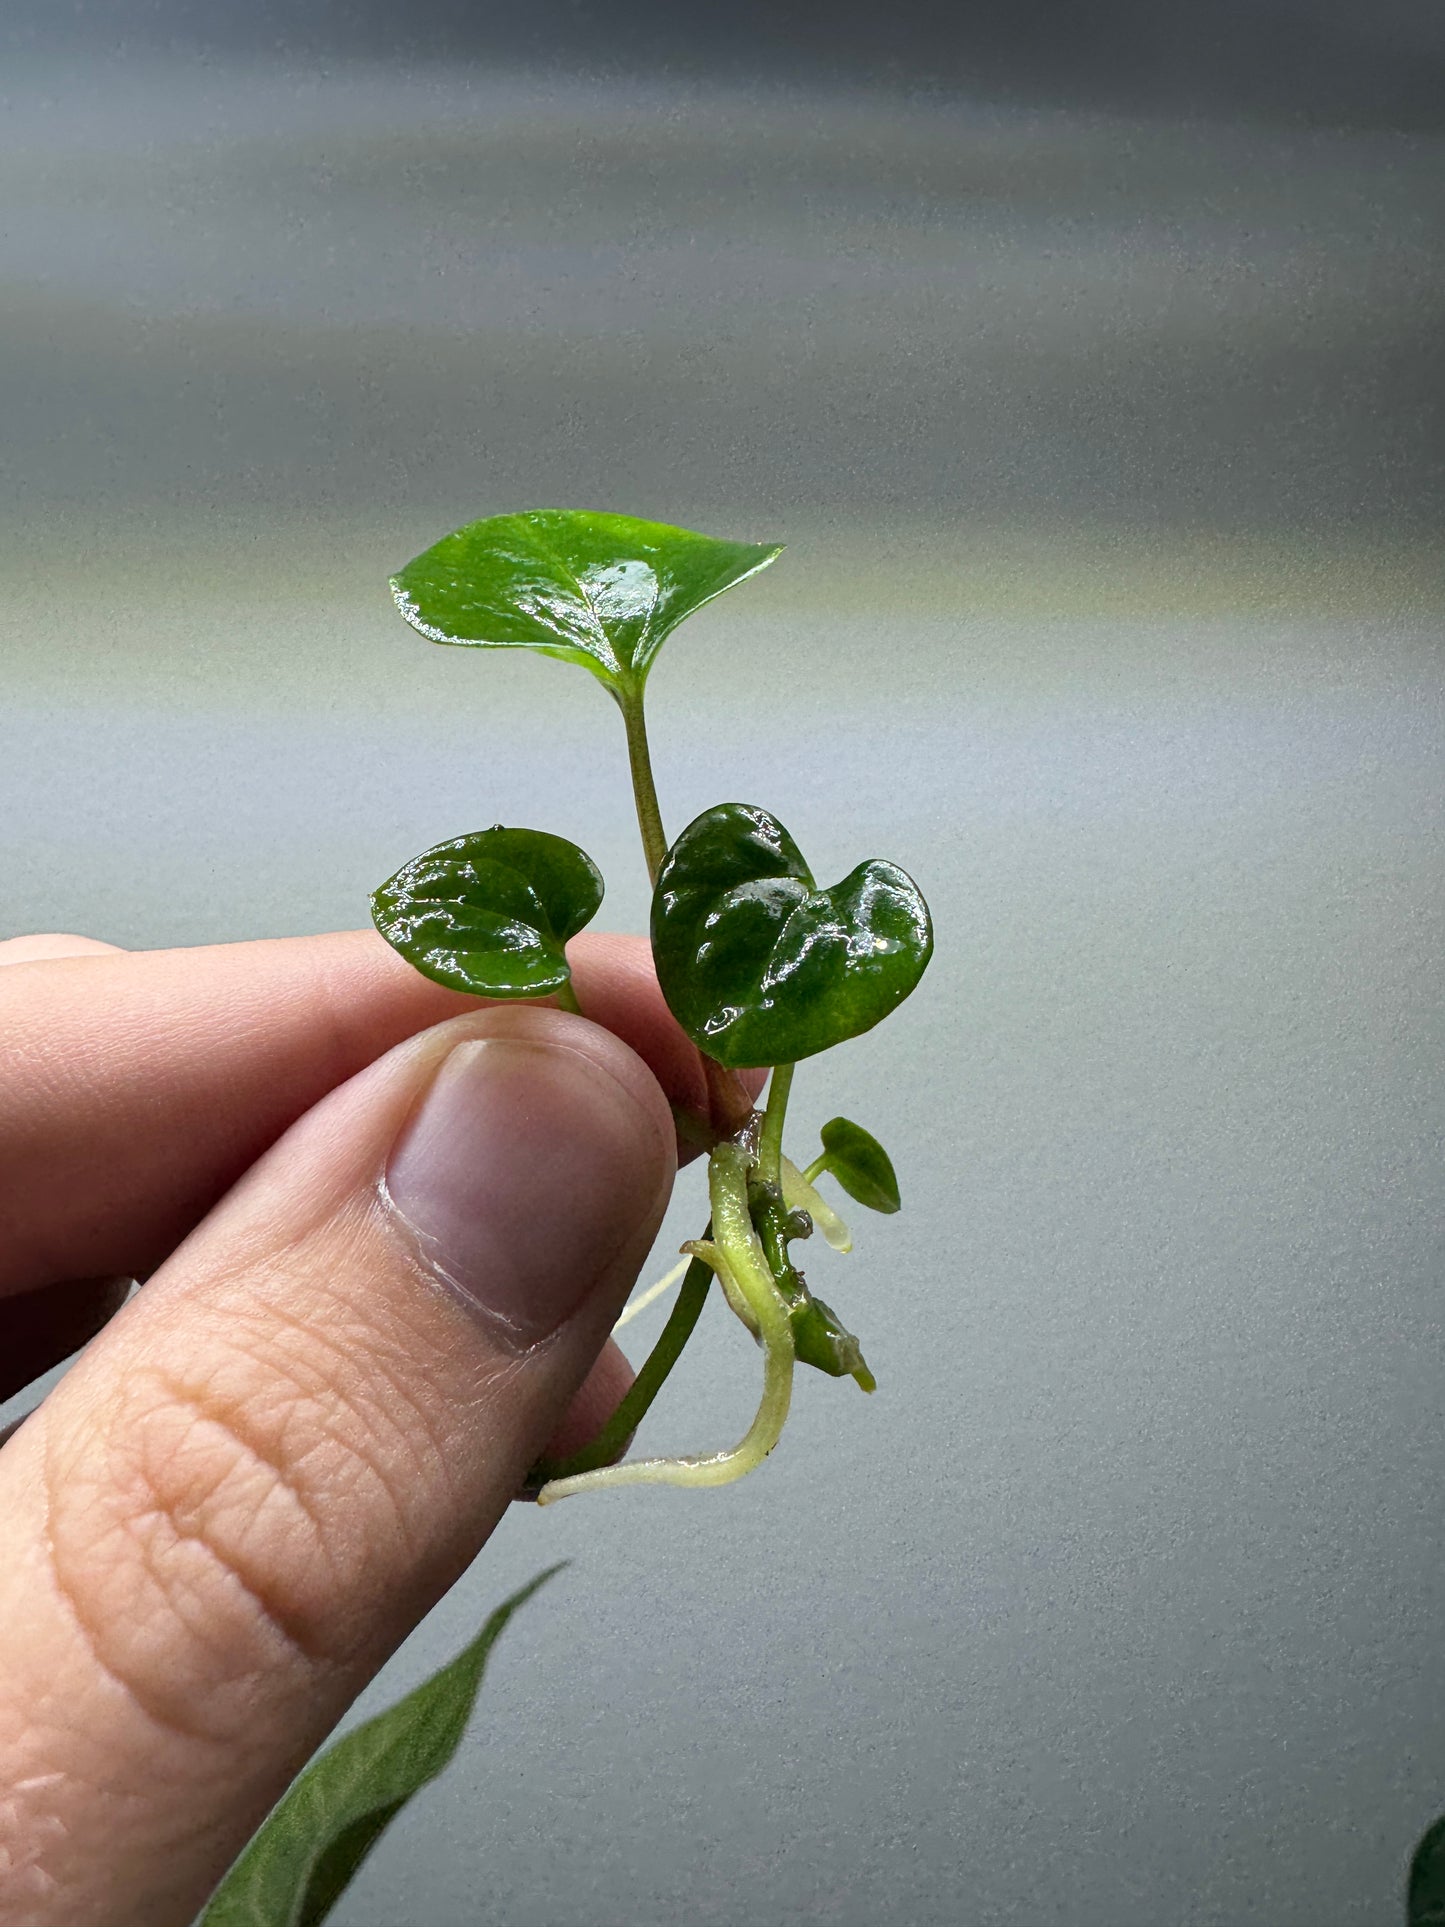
(305, 1854)
(1426, 1901)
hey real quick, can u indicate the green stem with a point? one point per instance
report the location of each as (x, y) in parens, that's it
(770, 1138)
(644, 790)
(613, 1437)
(728, 1104)
(567, 998)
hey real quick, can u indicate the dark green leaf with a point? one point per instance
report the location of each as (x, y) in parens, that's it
(761, 967)
(820, 1339)
(308, 1850)
(860, 1164)
(1426, 1906)
(601, 590)
(491, 913)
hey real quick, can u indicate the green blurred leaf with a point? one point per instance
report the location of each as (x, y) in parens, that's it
(601, 590)
(761, 967)
(860, 1164)
(491, 913)
(1426, 1904)
(308, 1850)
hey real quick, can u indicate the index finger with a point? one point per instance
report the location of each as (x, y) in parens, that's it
(136, 1087)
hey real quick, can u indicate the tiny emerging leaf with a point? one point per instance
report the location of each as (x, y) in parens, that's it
(491, 913)
(297, 1866)
(601, 590)
(799, 1191)
(859, 1163)
(821, 1339)
(757, 964)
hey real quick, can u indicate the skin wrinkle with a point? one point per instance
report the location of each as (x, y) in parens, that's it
(90, 1579)
(390, 1336)
(166, 1725)
(334, 1421)
(376, 1417)
(121, 1780)
(284, 1466)
(129, 1788)
(346, 1415)
(355, 1483)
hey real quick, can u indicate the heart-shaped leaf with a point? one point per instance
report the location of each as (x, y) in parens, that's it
(304, 1856)
(859, 1163)
(601, 590)
(757, 964)
(490, 913)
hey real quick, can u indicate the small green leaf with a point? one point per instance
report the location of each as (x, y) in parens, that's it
(601, 590)
(821, 1339)
(1426, 1906)
(757, 964)
(307, 1851)
(491, 913)
(859, 1163)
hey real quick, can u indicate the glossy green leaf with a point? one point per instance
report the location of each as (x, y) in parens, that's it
(491, 913)
(304, 1856)
(859, 1163)
(757, 964)
(1426, 1901)
(601, 590)
(821, 1339)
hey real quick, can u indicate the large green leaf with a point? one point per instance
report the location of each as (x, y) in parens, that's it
(859, 1163)
(601, 590)
(306, 1852)
(757, 964)
(491, 913)
(1426, 1902)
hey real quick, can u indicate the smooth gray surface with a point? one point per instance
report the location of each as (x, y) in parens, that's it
(1113, 612)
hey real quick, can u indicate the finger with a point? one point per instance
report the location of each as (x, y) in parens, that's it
(287, 1447)
(52, 943)
(42, 1327)
(593, 1403)
(136, 1088)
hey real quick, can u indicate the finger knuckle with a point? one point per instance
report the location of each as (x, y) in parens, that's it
(219, 1533)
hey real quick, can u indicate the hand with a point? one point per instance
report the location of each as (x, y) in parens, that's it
(385, 1266)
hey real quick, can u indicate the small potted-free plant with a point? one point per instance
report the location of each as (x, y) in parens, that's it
(761, 968)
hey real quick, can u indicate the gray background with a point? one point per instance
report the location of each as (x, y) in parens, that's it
(1092, 382)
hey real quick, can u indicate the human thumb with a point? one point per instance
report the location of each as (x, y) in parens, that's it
(290, 1443)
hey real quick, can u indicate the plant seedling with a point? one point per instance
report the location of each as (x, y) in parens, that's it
(759, 964)
(760, 967)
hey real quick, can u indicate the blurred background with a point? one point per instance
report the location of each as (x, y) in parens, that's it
(1089, 363)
